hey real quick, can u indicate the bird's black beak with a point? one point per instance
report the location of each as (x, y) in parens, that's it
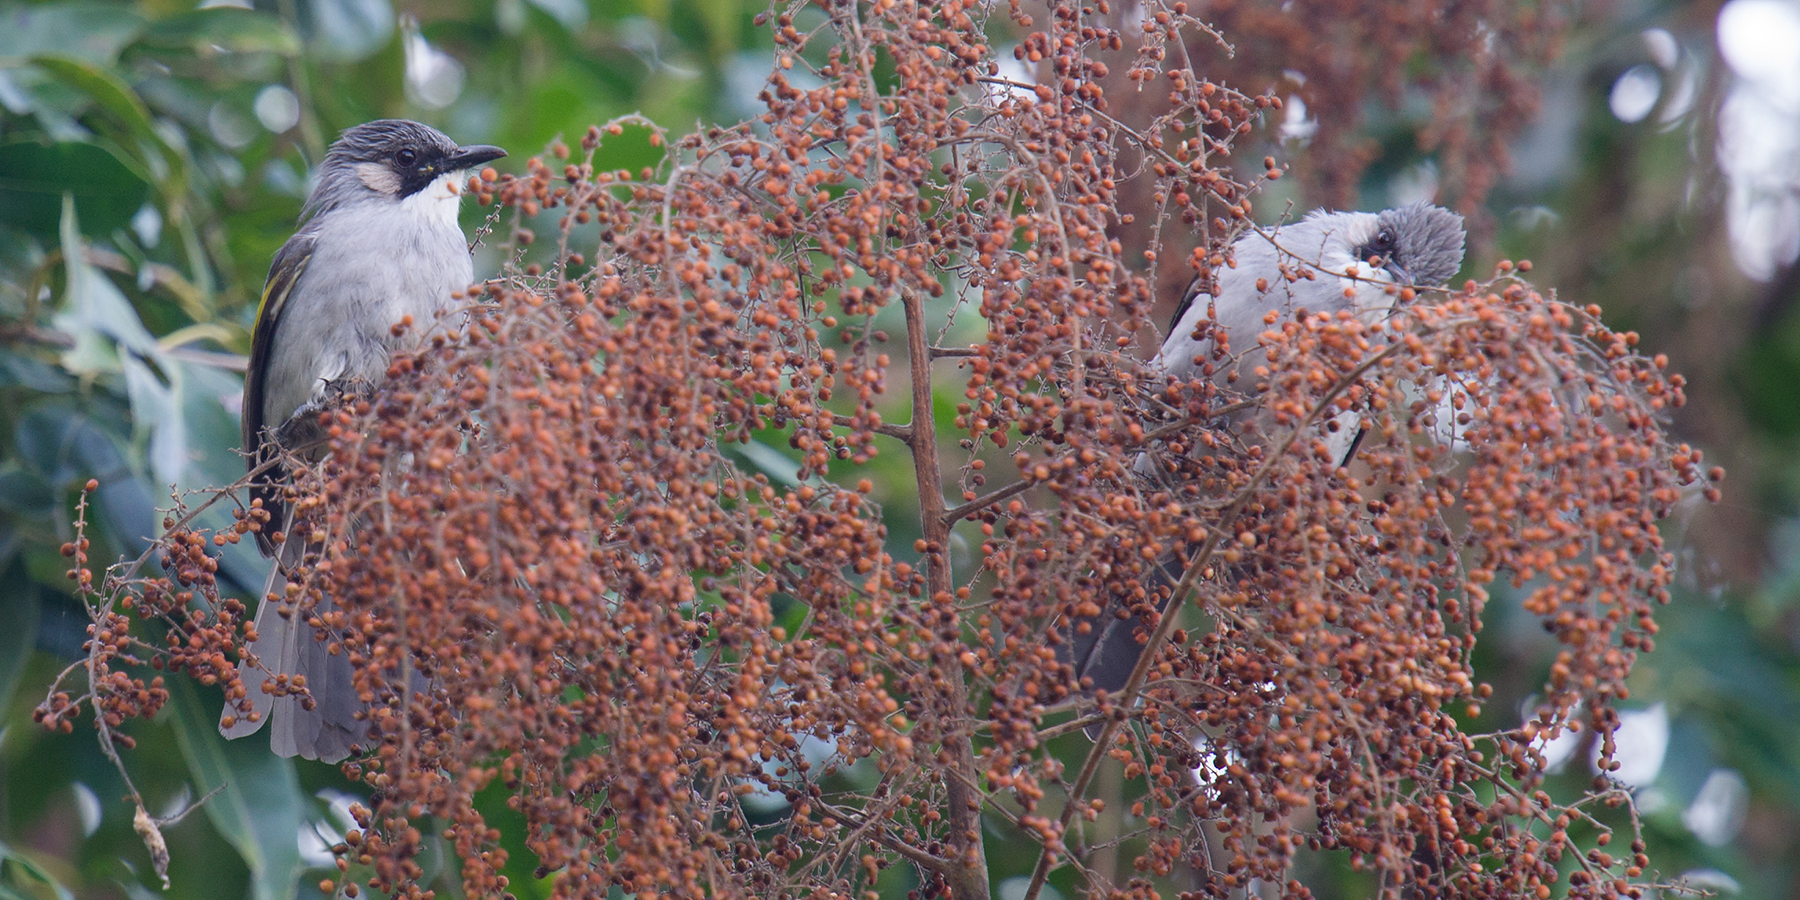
(472, 156)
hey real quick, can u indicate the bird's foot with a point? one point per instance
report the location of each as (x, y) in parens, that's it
(302, 429)
(343, 391)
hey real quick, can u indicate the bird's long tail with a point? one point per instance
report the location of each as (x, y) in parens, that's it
(1108, 648)
(289, 645)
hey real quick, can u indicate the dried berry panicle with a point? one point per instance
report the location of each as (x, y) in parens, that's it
(539, 519)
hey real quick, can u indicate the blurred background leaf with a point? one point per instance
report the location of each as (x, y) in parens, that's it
(35, 177)
(258, 806)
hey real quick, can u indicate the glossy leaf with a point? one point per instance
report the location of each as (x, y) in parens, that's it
(91, 32)
(225, 28)
(32, 374)
(124, 498)
(155, 409)
(26, 493)
(571, 13)
(348, 29)
(135, 131)
(20, 610)
(34, 178)
(42, 438)
(259, 807)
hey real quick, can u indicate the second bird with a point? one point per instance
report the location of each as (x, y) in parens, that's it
(1417, 245)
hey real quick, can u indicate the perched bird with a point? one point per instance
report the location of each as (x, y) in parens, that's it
(378, 242)
(1417, 245)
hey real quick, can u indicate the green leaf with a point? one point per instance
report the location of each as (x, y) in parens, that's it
(35, 177)
(124, 498)
(17, 370)
(770, 461)
(346, 30)
(571, 14)
(212, 459)
(233, 30)
(136, 130)
(155, 408)
(95, 312)
(43, 436)
(19, 609)
(26, 493)
(13, 860)
(60, 445)
(214, 431)
(91, 32)
(720, 22)
(259, 808)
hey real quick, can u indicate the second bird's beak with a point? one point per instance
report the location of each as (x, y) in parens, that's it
(472, 156)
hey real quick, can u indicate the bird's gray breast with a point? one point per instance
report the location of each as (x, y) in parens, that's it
(1270, 277)
(373, 264)
(1321, 244)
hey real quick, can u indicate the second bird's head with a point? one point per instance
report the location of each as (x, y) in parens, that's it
(392, 160)
(1418, 244)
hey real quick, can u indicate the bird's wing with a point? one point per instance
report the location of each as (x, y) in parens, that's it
(1187, 301)
(290, 262)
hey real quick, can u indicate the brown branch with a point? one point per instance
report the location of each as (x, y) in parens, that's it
(142, 822)
(14, 333)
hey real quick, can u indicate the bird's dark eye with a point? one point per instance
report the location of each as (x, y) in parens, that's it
(1379, 247)
(406, 156)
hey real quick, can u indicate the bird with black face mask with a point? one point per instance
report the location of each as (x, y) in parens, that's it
(378, 242)
(1417, 245)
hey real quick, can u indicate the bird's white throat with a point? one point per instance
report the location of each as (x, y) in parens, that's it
(438, 201)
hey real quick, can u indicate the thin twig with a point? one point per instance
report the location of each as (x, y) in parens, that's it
(953, 516)
(897, 432)
(954, 352)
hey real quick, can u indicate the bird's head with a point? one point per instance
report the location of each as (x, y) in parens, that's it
(390, 159)
(1419, 244)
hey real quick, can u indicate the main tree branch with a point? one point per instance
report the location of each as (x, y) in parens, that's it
(967, 872)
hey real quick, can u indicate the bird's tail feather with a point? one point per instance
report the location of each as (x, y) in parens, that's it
(338, 720)
(1109, 649)
(273, 634)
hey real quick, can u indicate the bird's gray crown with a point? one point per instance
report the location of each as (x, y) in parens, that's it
(391, 159)
(379, 140)
(1420, 243)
